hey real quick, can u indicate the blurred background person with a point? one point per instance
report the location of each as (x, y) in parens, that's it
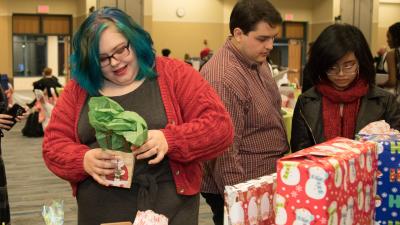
(166, 52)
(393, 59)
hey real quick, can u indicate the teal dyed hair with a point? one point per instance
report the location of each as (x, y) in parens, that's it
(85, 64)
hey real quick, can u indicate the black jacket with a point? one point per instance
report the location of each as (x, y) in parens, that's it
(46, 83)
(307, 124)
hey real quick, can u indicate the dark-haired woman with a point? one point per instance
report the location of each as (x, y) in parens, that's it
(344, 98)
(393, 59)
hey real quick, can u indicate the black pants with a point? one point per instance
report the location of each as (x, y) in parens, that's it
(216, 203)
(4, 206)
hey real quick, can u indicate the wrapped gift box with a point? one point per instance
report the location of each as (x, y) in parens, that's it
(149, 217)
(250, 203)
(388, 189)
(329, 183)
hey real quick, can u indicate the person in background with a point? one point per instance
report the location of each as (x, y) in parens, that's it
(187, 59)
(380, 60)
(165, 52)
(344, 98)
(46, 96)
(48, 84)
(241, 75)
(5, 124)
(393, 59)
(205, 55)
(188, 124)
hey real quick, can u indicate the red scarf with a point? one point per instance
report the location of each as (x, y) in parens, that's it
(334, 124)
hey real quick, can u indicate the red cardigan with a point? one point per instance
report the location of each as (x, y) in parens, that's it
(199, 127)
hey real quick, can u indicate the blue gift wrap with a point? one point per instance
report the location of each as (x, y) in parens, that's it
(388, 182)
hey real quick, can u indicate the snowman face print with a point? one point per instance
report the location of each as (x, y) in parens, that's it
(315, 185)
(350, 211)
(369, 160)
(264, 206)
(333, 216)
(338, 171)
(367, 198)
(236, 214)
(345, 180)
(281, 215)
(290, 173)
(252, 211)
(360, 196)
(343, 215)
(362, 160)
(303, 217)
(352, 170)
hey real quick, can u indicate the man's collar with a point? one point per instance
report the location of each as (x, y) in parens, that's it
(249, 63)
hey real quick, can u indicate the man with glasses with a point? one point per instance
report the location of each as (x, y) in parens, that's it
(241, 75)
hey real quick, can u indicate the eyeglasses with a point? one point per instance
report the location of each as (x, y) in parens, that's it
(347, 69)
(119, 54)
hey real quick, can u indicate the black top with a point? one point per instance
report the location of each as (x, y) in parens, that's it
(98, 204)
(46, 83)
(307, 123)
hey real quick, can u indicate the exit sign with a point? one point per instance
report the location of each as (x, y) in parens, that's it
(43, 9)
(289, 16)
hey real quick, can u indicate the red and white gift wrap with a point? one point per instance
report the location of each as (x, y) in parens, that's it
(149, 217)
(331, 183)
(251, 202)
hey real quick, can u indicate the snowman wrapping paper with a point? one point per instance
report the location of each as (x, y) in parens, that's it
(331, 183)
(388, 179)
(251, 202)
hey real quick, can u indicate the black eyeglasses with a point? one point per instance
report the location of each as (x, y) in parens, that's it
(119, 54)
(347, 69)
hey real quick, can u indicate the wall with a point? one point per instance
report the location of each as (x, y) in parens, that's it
(207, 19)
(322, 16)
(388, 15)
(202, 20)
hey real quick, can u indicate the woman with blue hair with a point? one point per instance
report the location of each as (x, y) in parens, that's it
(113, 57)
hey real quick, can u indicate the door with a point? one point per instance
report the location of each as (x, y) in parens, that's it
(294, 61)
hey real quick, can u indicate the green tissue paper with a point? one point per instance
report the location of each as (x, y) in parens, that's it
(116, 129)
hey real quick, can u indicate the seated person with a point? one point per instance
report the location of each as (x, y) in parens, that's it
(47, 82)
(344, 98)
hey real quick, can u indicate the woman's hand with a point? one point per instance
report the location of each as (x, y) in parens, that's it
(156, 144)
(5, 121)
(97, 163)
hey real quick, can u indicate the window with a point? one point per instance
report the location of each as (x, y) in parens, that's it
(40, 41)
(30, 55)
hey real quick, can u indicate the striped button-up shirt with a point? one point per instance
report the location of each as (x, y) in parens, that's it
(252, 98)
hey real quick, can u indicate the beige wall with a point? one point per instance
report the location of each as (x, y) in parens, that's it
(322, 16)
(202, 20)
(5, 45)
(184, 38)
(389, 13)
(206, 19)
